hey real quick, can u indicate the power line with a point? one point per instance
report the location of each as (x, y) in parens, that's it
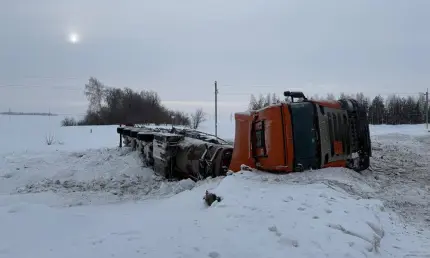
(221, 92)
(282, 88)
(380, 93)
(40, 86)
(31, 113)
(70, 114)
(234, 94)
(427, 109)
(216, 109)
(52, 77)
(250, 86)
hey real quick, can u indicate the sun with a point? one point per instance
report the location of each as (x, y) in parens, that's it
(73, 38)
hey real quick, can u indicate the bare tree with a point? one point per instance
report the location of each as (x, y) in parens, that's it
(330, 96)
(315, 97)
(197, 118)
(263, 101)
(112, 105)
(95, 91)
(69, 121)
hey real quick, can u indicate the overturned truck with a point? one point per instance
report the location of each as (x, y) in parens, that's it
(291, 136)
(179, 153)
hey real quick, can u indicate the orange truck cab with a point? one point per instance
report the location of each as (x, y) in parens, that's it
(302, 135)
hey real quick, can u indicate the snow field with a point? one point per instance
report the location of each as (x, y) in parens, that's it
(87, 198)
(30, 133)
(409, 130)
(400, 174)
(256, 218)
(86, 177)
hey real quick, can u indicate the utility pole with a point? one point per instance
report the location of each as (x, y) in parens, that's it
(427, 108)
(216, 109)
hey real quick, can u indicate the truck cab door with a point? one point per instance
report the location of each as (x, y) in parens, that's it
(305, 141)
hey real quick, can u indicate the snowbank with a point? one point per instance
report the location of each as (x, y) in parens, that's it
(80, 178)
(256, 218)
(83, 197)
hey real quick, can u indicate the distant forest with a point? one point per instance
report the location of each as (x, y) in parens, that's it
(11, 113)
(393, 110)
(111, 105)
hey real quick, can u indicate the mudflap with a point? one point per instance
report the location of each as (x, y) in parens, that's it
(359, 163)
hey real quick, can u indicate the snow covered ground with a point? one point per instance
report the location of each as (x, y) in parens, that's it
(84, 197)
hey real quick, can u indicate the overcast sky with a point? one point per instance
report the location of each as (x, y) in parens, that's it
(178, 48)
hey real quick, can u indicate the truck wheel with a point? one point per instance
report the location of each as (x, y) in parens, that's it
(300, 168)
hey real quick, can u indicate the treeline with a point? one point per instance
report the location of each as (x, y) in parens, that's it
(11, 113)
(392, 110)
(111, 105)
